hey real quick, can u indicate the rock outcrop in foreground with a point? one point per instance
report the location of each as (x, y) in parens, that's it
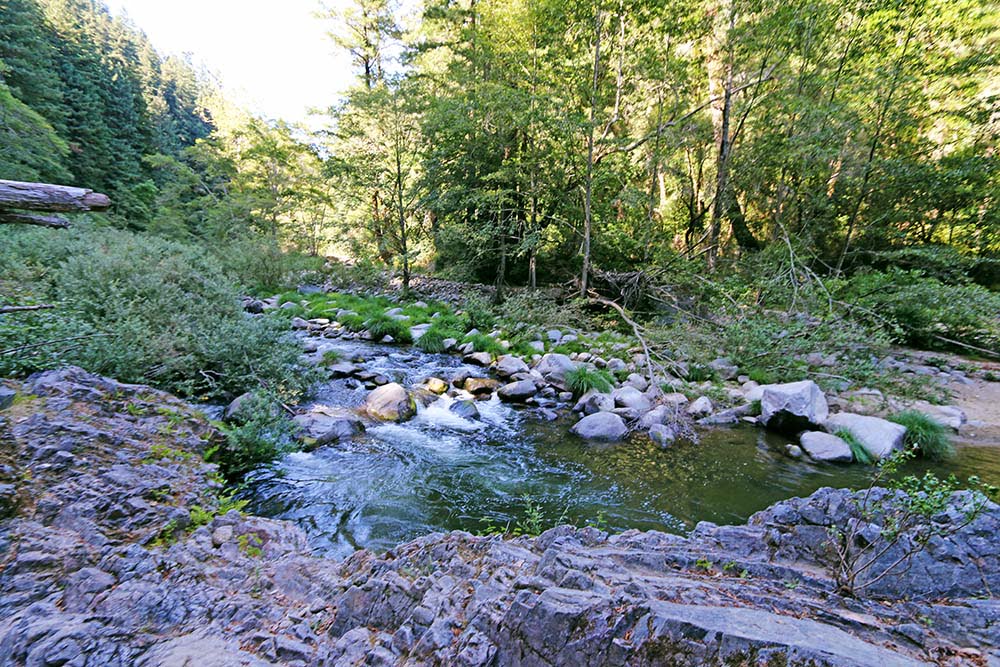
(112, 552)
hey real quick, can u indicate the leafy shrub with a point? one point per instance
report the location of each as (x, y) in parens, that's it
(925, 435)
(150, 310)
(477, 314)
(260, 432)
(543, 310)
(381, 326)
(924, 312)
(582, 379)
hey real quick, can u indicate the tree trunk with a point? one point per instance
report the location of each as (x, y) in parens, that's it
(589, 182)
(48, 197)
(722, 122)
(13, 218)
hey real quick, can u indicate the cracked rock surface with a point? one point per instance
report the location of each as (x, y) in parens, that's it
(114, 551)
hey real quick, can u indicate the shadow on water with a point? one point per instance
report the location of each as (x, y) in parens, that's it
(441, 472)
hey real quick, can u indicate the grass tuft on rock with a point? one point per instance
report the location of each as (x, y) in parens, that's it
(483, 343)
(432, 341)
(925, 434)
(861, 455)
(381, 326)
(582, 379)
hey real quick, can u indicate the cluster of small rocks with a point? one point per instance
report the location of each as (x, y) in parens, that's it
(114, 552)
(637, 402)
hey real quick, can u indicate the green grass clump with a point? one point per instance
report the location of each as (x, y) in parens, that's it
(860, 454)
(331, 357)
(925, 434)
(382, 325)
(353, 323)
(432, 341)
(483, 343)
(582, 379)
(572, 347)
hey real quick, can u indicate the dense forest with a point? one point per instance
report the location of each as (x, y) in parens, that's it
(746, 157)
(527, 142)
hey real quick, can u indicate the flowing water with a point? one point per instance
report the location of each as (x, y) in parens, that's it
(441, 472)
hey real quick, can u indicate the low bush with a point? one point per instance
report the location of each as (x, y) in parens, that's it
(925, 435)
(925, 312)
(140, 309)
(259, 432)
(582, 379)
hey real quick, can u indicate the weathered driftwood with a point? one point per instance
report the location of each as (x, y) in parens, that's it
(16, 218)
(21, 309)
(48, 197)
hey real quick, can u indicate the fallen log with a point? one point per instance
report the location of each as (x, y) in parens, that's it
(15, 218)
(48, 197)
(20, 309)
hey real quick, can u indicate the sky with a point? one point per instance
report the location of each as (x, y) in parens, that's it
(272, 56)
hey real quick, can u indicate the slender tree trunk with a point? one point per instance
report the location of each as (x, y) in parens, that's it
(873, 148)
(589, 181)
(402, 218)
(724, 142)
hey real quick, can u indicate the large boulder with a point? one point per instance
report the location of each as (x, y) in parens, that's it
(825, 447)
(661, 414)
(554, 366)
(390, 402)
(630, 397)
(594, 401)
(6, 397)
(603, 426)
(880, 437)
(700, 407)
(663, 435)
(465, 410)
(951, 416)
(793, 407)
(323, 425)
(478, 358)
(480, 386)
(509, 365)
(517, 392)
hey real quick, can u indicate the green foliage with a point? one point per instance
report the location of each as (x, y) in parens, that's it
(483, 343)
(381, 326)
(259, 432)
(925, 312)
(432, 341)
(331, 357)
(858, 450)
(140, 309)
(477, 314)
(583, 378)
(925, 435)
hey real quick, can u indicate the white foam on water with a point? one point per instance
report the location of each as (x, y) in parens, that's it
(439, 415)
(409, 436)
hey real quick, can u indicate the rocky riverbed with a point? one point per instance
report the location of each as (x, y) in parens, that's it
(115, 551)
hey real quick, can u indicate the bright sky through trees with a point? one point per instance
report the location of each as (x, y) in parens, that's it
(275, 54)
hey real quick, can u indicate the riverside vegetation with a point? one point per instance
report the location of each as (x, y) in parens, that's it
(786, 218)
